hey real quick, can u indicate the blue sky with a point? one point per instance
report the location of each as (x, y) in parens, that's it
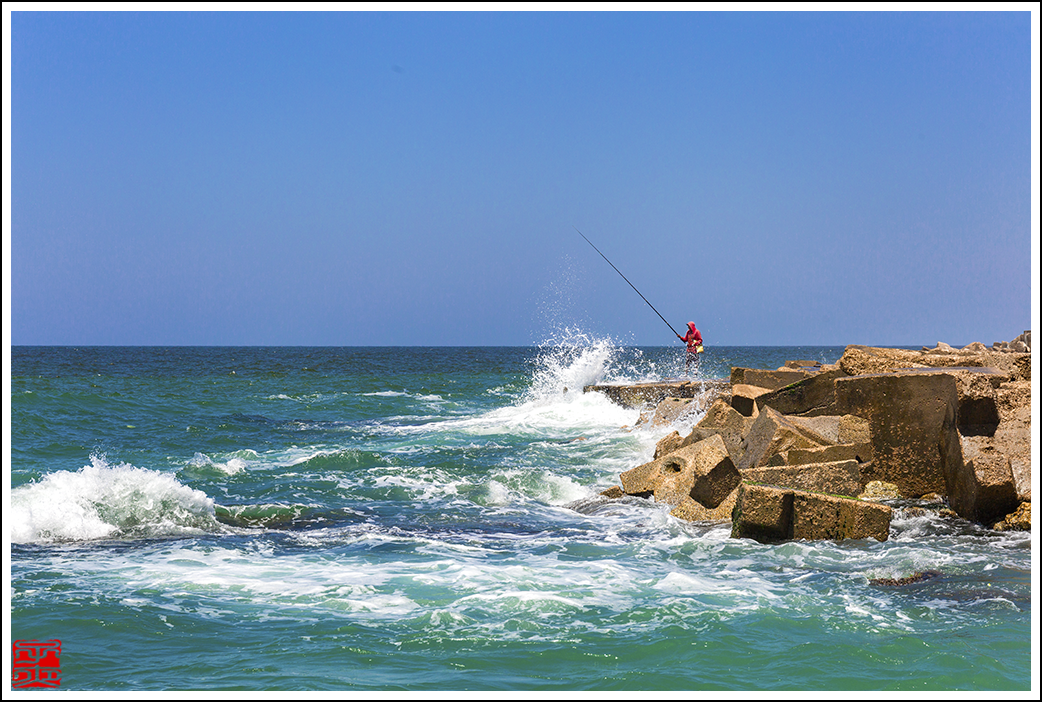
(416, 178)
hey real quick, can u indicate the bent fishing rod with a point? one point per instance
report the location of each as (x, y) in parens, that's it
(627, 280)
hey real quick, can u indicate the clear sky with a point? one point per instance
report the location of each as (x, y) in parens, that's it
(406, 178)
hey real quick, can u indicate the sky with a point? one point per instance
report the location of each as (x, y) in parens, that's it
(418, 178)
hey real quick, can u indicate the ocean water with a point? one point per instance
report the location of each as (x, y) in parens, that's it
(420, 519)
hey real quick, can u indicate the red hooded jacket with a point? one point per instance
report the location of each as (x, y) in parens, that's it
(693, 339)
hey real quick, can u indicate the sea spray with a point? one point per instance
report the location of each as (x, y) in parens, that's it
(102, 501)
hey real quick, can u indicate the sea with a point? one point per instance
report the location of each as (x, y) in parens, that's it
(414, 520)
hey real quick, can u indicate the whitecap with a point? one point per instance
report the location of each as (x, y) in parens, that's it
(102, 501)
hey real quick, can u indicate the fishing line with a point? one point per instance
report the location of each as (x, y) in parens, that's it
(627, 280)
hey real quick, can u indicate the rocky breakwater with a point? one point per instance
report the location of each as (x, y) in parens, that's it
(800, 452)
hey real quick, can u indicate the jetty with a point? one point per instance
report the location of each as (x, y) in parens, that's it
(813, 451)
(641, 394)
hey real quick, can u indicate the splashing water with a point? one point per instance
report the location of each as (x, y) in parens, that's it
(101, 501)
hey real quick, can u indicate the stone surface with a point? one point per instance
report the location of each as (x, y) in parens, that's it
(694, 512)
(912, 415)
(639, 394)
(668, 444)
(839, 477)
(1019, 520)
(816, 516)
(879, 490)
(770, 514)
(982, 489)
(671, 409)
(762, 513)
(724, 420)
(702, 472)
(743, 398)
(773, 433)
(862, 453)
(773, 379)
(815, 395)
(838, 429)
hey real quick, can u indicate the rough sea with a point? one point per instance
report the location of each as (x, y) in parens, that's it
(425, 519)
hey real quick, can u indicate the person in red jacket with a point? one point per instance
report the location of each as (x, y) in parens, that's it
(693, 339)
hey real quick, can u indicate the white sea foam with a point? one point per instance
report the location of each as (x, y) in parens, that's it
(104, 501)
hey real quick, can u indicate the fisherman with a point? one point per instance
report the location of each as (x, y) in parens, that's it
(693, 339)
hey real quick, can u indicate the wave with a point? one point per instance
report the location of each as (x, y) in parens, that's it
(102, 501)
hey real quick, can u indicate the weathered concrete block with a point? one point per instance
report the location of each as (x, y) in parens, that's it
(1019, 520)
(774, 379)
(771, 514)
(726, 421)
(804, 365)
(671, 409)
(862, 453)
(640, 394)
(668, 444)
(869, 360)
(1012, 437)
(814, 395)
(773, 433)
(695, 512)
(837, 478)
(762, 513)
(816, 516)
(743, 398)
(912, 415)
(982, 489)
(702, 472)
(837, 429)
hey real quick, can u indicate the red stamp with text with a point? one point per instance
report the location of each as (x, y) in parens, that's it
(36, 664)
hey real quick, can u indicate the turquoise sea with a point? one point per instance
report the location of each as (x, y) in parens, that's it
(423, 519)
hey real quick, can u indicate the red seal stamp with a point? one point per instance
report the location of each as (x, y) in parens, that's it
(36, 664)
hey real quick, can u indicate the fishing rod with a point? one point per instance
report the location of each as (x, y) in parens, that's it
(627, 280)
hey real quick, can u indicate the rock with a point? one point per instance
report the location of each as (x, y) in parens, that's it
(743, 398)
(975, 347)
(702, 472)
(724, 420)
(771, 379)
(838, 429)
(671, 409)
(804, 365)
(867, 360)
(1018, 346)
(695, 512)
(773, 433)
(1012, 436)
(978, 410)
(762, 513)
(1019, 520)
(770, 514)
(816, 516)
(614, 492)
(982, 488)
(908, 580)
(639, 394)
(912, 416)
(879, 490)
(838, 477)
(862, 453)
(814, 395)
(668, 444)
